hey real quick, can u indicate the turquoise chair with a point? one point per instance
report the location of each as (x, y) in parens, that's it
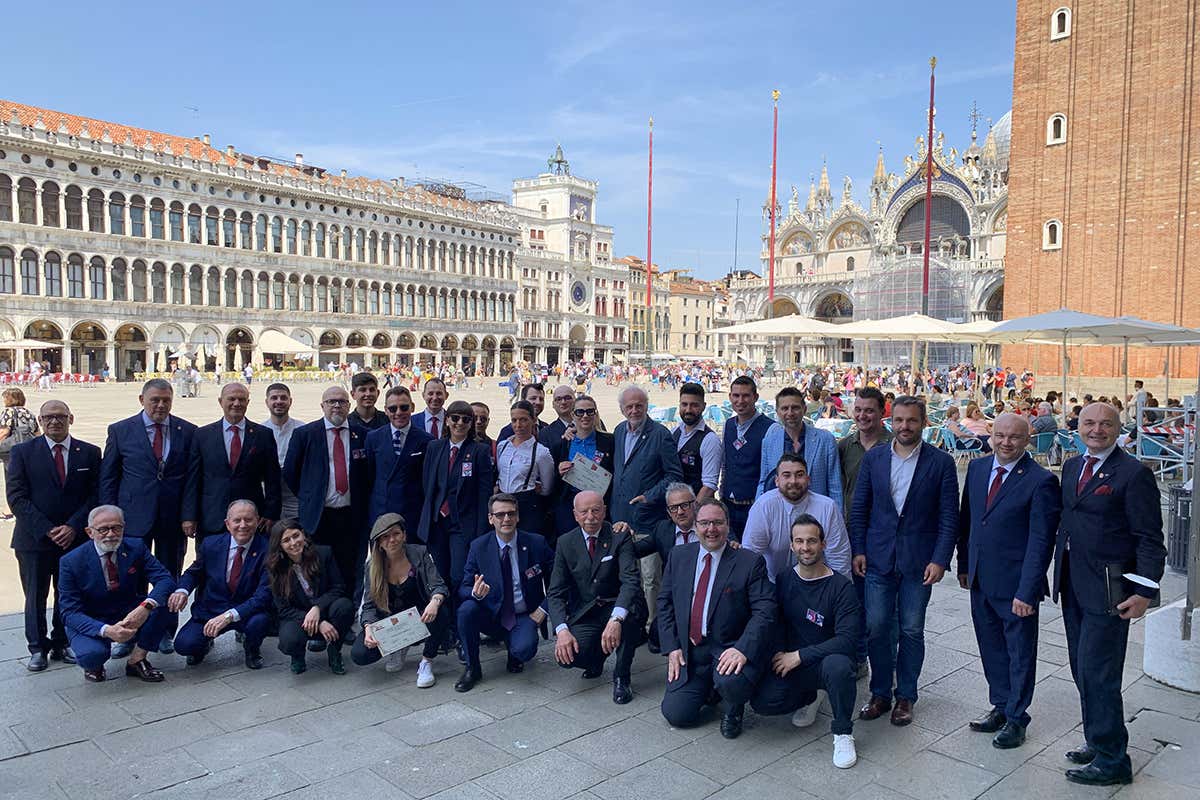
(962, 449)
(1040, 445)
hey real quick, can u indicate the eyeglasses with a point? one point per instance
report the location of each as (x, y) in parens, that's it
(110, 529)
(710, 523)
(460, 418)
(396, 409)
(54, 417)
(335, 402)
(680, 506)
(584, 412)
(503, 514)
(482, 420)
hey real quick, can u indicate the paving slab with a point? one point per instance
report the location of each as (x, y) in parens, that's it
(661, 779)
(436, 723)
(439, 766)
(361, 783)
(624, 745)
(531, 732)
(75, 726)
(550, 775)
(1032, 780)
(234, 749)
(933, 776)
(134, 777)
(254, 781)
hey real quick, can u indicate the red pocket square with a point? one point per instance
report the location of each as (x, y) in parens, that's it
(131, 571)
(1105, 490)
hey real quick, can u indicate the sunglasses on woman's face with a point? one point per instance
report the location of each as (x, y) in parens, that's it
(584, 412)
(460, 418)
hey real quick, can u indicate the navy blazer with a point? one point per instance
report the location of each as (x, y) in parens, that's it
(88, 605)
(396, 481)
(418, 421)
(653, 464)
(37, 500)
(1005, 550)
(206, 577)
(212, 485)
(535, 562)
(306, 470)
(927, 529)
(741, 609)
(466, 488)
(1117, 520)
(150, 494)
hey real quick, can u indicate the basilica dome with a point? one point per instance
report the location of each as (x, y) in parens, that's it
(1001, 134)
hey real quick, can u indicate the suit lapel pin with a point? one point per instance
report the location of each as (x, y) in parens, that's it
(1020, 472)
(1101, 475)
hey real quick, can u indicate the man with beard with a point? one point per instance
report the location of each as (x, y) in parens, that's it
(792, 434)
(699, 449)
(743, 451)
(283, 425)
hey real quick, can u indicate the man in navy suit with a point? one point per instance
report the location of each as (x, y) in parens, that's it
(1007, 524)
(903, 526)
(104, 600)
(52, 483)
(397, 456)
(433, 419)
(458, 477)
(232, 459)
(328, 469)
(715, 617)
(1111, 521)
(144, 470)
(503, 590)
(229, 577)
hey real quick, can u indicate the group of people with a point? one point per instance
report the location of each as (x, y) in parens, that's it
(815, 566)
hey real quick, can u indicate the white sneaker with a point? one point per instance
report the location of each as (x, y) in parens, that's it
(807, 715)
(844, 754)
(394, 662)
(425, 677)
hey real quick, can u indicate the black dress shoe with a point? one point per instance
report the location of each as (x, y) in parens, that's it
(731, 722)
(317, 645)
(254, 659)
(469, 678)
(593, 672)
(145, 671)
(94, 675)
(37, 662)
(515, 665)
(1083, 755)
(197, 658)
(1091, 775)
(1010, 736)
(63, 654)
(989, 723)
(622, 693)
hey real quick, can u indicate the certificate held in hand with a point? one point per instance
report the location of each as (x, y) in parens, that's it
(587, 476)
(398, 631)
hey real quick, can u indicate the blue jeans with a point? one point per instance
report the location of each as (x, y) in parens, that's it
(895, 645)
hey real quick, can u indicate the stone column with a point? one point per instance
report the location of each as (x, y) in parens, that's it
(66, 356)
(110, 358)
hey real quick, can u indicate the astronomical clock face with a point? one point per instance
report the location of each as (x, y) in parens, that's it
(578, 293)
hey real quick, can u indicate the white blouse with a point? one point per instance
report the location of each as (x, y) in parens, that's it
(516, 474)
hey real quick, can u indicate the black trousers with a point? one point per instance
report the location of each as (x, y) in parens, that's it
(738, 515)
(687, 695)
(449, 548)
(834, 673)
(293, 640)
(588, 630)
(362, 655)
(38, 570)
(1008, 648)
(338, 532)
(1096, 648)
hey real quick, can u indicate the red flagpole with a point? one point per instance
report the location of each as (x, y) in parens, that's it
(774, 152)
(649, 242)
(928, 195)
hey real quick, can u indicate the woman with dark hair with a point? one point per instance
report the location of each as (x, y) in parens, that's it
(310, 597)
(17, 424)
(587, 440)
(401, 576)
(525, 468)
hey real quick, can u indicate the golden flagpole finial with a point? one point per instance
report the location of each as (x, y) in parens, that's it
(651, 121)
(775, 95)
(932, 63)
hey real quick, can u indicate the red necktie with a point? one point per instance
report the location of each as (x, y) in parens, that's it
(433, 427)
(685, 535)
(592, 547)
(696, 623)
(60, 465)
(235, 571)
(110, 572)
(235, 447)
(340, 482)
(158, 441)
(1089, 464)
(445, 509)
(997, 482)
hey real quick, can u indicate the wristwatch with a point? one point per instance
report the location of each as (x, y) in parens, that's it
(229, 616)
(146, 604)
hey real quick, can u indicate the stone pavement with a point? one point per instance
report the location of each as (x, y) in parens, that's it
(219, 730)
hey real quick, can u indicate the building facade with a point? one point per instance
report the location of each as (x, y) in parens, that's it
(121, 246)
(692, 305)
(658, 315)
(1106, 171)
(839, 261)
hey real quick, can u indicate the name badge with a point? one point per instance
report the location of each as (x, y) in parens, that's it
(814, 617)
(533, 571)
(689, 459)
(467, 469)
(738, 444)
(606, 558)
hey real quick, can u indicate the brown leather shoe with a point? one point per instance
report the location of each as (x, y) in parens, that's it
(145, 671)
(902, 713)
(875, 708)
(94, 675)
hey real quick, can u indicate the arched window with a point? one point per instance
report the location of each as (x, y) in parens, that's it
(260, 233)
(137, 216)
(195, 285)
(1060, 24)
(75, 276)
(8, 279)
(277, 293)
(175, 215)
(50, 205)
(138, 281)
(293, 295)
(177, 280)
(30, 284)
(850, 264)
(1056, 129)
(95, 206)
(74, 207)
(194, 233)
(306, 239)
(307, 295)
(212, 226)
(157, 229)
(53, 273)
(97, 278)
(27, 201)
(320, 240)
(231, 289)
(263, 290)
(5, 198)
(1052, 235)
(229, 228)
(214, 286)
(247, 290)
(246, 230)
(117, 277)
(276, 235)
(158, 283)
(116, 213)
(291, 237)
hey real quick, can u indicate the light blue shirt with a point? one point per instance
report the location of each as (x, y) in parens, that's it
(228, 427)
(166, 434)
(903, 470)
(631, 437)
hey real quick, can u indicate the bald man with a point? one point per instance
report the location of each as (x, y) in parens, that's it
(1111, 527)
(52, 484)
(1007, 524)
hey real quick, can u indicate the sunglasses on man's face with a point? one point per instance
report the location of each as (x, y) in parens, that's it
(399, 408)
(460, 418)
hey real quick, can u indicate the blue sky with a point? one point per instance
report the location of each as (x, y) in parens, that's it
(481, 92)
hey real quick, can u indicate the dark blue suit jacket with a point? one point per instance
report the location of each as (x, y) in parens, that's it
(927, 530)
(660, 541)
(535, 562)
(467, 488)
(418, 421)
(37, 500)
(653, 464)
(130, 476)
(306, 470)
(88, 605)
(1117, 520)
(212, 485)
(1005, 550)
(206, 577)
(396, 480)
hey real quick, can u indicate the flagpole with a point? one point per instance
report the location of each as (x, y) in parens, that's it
(771, 239)
(928, 196)
(649, 241)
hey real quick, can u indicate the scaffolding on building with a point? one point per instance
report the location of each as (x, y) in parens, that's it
(893, 288)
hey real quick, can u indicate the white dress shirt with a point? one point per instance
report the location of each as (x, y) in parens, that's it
(332, 498)
(228, 427)
(712, 577)
(66, 451)
(518, 595)
(712, 453)
(769, 530)
(903, 469)
(441, 420)
(400, 435)
(290, 505)
(618, 612)
(166, 434)
(513, 466)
